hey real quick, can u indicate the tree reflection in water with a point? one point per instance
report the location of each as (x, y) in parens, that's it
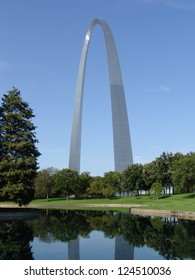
(170, 237)
(15, 237)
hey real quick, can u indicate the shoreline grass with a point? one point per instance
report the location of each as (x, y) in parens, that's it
(177, 202)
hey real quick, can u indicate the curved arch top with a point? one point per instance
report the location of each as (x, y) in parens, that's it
(121, 135)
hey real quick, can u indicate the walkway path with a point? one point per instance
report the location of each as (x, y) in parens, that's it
(66, 205)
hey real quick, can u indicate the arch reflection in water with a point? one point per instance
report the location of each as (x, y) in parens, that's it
(73, 249)
(123, 250)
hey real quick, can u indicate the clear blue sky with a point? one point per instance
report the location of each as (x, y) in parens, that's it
(40, 48)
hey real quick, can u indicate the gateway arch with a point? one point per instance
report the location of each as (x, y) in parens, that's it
(121, 135)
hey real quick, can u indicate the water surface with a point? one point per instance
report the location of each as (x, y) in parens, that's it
(93, 235)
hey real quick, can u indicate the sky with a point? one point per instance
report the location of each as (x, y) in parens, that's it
(40, 48)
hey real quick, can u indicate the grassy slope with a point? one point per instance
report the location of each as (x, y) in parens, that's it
(179, 202)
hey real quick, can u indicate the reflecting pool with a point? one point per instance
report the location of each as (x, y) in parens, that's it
(93, 235)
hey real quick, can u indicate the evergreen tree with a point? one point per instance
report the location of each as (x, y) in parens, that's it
(18, 153)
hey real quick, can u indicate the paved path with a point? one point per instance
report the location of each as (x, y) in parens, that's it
(66, 205)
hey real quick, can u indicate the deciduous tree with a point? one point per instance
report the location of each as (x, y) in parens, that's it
(183, 174)
(44, 183)
(133, 178)
(66, 181)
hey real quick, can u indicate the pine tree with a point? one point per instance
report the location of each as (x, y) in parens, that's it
(18, 153)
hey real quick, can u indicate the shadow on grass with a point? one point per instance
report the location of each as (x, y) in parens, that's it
(88, 198)
(154, 197)
(164, 196)
(190, 196)
(79, 198)
(51, 199)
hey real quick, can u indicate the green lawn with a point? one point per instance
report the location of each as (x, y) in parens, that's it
(178, 202)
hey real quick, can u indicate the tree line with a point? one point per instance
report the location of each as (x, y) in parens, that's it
(20, 180)
(168, 173)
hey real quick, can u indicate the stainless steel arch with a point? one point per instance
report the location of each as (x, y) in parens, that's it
(121, 136)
